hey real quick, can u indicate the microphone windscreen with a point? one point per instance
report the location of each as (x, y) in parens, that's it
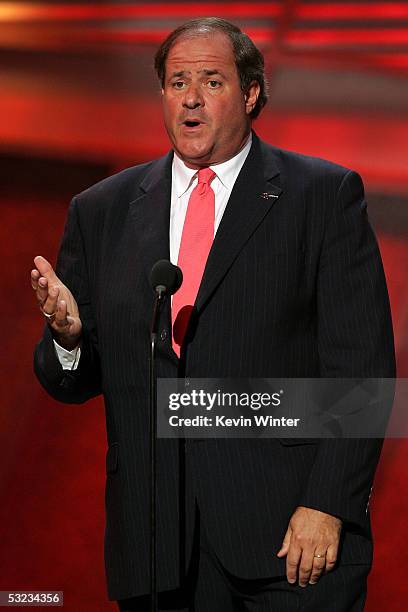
(165, 274)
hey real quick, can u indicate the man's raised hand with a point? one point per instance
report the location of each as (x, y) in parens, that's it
(56, 301)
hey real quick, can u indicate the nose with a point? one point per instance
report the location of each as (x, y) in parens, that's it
(193, 98)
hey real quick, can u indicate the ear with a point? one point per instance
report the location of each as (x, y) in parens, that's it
(251, 96)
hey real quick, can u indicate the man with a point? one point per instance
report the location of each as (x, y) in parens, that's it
(291, 286)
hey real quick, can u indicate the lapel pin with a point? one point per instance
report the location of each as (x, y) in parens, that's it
(268, 196)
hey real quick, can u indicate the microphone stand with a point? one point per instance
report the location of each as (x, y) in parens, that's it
(165, 278)
(159, 299)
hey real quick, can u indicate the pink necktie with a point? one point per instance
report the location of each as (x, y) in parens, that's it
(196, 241)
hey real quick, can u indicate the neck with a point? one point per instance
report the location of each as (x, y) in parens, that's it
(197, 164)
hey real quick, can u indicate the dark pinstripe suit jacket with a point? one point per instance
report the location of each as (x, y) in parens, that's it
(293, 287)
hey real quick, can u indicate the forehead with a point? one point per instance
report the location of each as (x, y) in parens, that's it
(201, 50)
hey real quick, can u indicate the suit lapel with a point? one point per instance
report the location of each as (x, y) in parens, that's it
(251, 199)
(150, 214)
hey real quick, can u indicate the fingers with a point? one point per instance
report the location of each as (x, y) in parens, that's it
(44, 267)
(47, 298)
(40, 285)
(285, 544)
(56, 303)
(305, 567)
(319, 564)
(323, 563)
(64, 325)
(306, 563)
(46, 293)
(311, 565)
(292, 562)
(312, 546)
(35, 275)
(50, 305)
(331, 557)
(42, 277)
(61, 316)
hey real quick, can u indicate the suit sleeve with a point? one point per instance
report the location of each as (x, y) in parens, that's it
(355, 340)
(72, 386)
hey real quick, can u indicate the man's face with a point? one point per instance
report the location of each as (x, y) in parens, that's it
(206, 113)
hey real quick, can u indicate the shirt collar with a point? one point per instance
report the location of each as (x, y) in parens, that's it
(227, 172)
(182, 176)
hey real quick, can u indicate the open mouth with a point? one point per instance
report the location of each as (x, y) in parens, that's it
(192, 124)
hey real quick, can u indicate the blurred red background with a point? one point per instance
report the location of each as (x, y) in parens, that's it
(79, 100)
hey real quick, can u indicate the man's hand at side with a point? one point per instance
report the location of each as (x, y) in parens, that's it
(310, 545)
(55, 299)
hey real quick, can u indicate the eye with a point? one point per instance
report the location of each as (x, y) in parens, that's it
(178, 84)
(214, 84)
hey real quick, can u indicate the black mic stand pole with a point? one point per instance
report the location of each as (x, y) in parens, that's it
(160, 294)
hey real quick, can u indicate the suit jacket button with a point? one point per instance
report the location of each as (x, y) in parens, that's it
(163, 335)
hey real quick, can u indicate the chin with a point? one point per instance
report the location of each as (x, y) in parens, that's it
(193, 154)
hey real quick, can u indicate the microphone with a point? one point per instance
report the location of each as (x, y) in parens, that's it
(165, 278)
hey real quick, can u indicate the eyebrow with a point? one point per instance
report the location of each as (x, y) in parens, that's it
(211, 72)
(204, 71)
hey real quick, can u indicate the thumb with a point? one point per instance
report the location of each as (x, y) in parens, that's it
(75, 325)
(285, 544)
(44, 267)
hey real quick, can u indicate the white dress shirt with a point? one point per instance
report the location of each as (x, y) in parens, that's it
(182, 184)
(183, 181)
